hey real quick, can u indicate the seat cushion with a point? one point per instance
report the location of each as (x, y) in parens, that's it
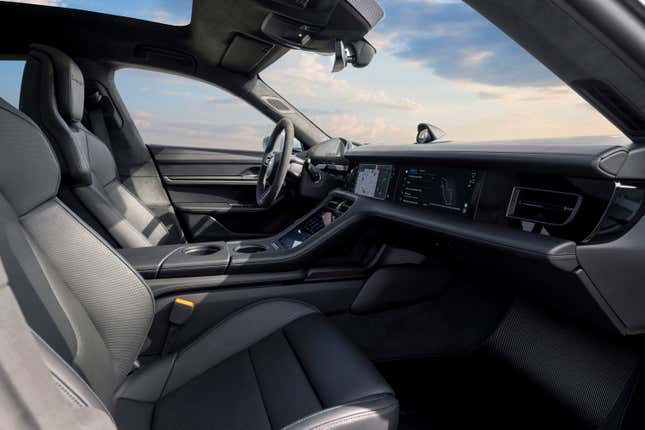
(273, 365)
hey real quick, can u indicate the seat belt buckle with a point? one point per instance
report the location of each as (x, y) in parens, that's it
(182, 310)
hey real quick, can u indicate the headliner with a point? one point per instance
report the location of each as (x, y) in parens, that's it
(201, 44)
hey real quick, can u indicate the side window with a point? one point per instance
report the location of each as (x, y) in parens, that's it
(10, 80)
(171, 110)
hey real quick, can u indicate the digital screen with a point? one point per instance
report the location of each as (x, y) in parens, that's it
(443, 187)
(373, 180)
(306, 229)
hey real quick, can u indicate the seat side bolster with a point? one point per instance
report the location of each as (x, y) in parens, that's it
(371, 413)
(234, 334)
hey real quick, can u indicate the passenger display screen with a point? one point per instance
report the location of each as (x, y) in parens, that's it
(373, 180)
(443, 187)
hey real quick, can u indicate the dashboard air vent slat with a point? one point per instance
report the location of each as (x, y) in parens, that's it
(543, 206)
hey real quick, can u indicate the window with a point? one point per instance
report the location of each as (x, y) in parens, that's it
(172, 12)
(438, 62)
(10, 80)
(171, 110)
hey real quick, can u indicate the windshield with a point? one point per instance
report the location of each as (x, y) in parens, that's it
(438, 62)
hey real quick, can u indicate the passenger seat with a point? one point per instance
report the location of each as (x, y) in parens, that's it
(53, 95)
(276, 364)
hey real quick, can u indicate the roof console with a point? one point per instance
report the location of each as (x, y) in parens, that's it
(316, 25)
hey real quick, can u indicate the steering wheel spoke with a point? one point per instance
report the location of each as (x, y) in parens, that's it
(275, 164)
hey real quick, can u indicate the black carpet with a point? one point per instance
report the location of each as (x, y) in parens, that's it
(471, 392)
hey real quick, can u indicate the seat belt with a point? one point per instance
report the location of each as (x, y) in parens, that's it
(28, 397)
(180, 313)
(96, 118)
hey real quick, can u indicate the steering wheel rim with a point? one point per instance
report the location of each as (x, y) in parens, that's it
(275, 165)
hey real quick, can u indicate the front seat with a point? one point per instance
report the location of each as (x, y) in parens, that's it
(276, 364)
(53, 95)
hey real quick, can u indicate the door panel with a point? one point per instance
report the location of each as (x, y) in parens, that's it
(213, 192)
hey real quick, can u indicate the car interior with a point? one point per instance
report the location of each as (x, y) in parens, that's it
(315, 282)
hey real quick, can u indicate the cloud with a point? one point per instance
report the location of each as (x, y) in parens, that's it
(164, 17)
(309, 78)
(373, 130)
(455, 42)
(381, 99)
(487, 95)
(476, 58)
(39, 2)
(224, 101)
(142, 119)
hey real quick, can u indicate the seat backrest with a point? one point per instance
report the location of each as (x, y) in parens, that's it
(53, 95)
(76, 292)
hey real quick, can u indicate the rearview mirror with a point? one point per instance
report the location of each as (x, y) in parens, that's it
(340, 56)
(358, 53)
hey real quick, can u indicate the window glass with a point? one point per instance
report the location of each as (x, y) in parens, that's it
(173, 12)
(172, 110)
(10, 80)
(438, 62)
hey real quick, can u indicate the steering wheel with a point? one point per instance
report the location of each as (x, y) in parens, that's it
(275, 164)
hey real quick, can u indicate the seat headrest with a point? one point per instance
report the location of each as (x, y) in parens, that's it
(68, 81)
(29, 172)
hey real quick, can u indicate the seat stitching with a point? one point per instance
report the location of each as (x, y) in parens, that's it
(304, 370)
(154, 404)
(257, 382)
(240, 311)
(164, 394)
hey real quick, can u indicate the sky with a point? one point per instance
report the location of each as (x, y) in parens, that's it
(438, 61)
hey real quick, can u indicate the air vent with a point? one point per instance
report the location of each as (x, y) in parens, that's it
(277, 104)
(339, 205)
(613, 104)
(543, 206)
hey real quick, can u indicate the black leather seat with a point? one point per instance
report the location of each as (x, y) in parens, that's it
(275, 364)
(53, 95)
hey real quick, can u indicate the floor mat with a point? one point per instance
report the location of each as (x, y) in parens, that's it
(470, 392)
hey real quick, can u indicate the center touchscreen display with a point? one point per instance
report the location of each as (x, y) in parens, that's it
(443, 187)
(373, 180)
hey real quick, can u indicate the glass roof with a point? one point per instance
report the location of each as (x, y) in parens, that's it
(172, 12)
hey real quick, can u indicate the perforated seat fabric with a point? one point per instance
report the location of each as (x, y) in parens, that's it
(53, 95)
(275, 364)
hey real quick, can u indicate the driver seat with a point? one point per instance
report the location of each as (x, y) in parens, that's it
(53, 95)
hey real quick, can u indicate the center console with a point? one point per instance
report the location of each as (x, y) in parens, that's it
(334, 209)
(452, 190)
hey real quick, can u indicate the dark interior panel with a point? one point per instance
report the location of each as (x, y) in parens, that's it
(213, 192)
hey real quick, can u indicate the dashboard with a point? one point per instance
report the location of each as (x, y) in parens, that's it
(560, 221)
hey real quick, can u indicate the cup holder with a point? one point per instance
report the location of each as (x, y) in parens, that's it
(250, 249)
(201, 250)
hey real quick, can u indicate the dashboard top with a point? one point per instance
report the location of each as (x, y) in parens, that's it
(591, 156)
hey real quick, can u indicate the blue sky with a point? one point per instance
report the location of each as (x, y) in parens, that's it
(438, 61)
